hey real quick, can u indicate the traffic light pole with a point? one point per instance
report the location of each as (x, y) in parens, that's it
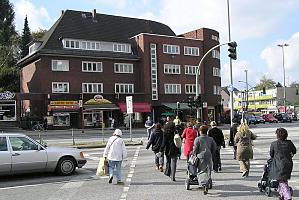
(197, 72)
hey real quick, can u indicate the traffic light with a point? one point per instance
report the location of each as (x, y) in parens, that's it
(190, 101)
(197, 101)
(264, 90)
(178, 106)
(232, 50)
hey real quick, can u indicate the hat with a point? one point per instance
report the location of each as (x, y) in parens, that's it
(117, 132)
(213, 123)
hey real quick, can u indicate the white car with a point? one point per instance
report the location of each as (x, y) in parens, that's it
(21, 154)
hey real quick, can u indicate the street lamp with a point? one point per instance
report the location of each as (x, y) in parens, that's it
(284, 75)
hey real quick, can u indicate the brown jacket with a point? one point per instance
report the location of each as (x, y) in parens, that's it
(244, 145)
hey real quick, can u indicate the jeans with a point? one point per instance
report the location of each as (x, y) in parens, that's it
(115, 166)
(171, 163)
(159, 160)
(217, 159)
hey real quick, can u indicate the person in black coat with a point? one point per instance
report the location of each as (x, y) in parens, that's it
(232, 132)
(170, 150)
(218, 137)
(155, 141)
(281, 152)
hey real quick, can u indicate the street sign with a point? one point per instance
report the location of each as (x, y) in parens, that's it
(129, 103)
(204, 104)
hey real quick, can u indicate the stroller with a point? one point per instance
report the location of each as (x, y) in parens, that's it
(266, 184)
(191, 178)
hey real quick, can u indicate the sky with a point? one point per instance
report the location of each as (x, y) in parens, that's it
(257, 26)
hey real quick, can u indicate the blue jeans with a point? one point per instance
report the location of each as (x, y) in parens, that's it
(115, 166)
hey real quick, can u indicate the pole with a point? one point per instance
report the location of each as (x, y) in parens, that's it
(197, 73)
(73, 136)
(82, 114)
(103, 124)
(284, 81)
(246, 89)
(130, 127)
(230, 71)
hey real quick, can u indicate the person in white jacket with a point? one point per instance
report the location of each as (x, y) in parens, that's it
(116, 152)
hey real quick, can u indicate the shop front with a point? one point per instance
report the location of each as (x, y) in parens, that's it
(8, 107)
(63, 114)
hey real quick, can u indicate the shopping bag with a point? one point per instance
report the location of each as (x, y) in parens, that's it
(102, 167)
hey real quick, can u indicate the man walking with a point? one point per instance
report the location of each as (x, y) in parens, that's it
(149, 125)
(218, 137)
(232, 132)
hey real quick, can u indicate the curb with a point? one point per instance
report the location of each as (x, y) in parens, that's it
(102, 145)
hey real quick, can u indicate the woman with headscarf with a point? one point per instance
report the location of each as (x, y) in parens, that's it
(116, 152)
(243, 139)
(281, 152)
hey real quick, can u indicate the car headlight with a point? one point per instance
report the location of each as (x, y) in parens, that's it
(81, 154)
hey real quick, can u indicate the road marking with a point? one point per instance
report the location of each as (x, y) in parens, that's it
(130, 175)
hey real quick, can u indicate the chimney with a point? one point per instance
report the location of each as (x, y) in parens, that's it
(94, 13)
(62, 12)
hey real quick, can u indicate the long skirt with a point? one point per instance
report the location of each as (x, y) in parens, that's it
(204, 171)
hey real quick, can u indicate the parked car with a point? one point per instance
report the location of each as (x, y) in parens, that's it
(283, 117)
(259, 120)
(270, 118)
(21, 154)
(251, 119)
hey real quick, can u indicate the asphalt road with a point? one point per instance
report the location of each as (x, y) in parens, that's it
(142, 181)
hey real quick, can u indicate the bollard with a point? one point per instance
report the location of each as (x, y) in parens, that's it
(73, 136)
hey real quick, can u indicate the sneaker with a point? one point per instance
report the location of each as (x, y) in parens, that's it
(205, 190)
(110, 179)
(245, 174)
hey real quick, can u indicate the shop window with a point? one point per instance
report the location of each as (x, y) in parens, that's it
(61, 119)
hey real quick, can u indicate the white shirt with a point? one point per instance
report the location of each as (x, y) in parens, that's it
(115, 149)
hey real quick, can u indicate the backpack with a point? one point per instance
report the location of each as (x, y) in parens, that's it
(177, 140)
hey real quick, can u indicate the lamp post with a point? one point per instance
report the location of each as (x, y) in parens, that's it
(231, 98)
(246, 80)
(284, 75)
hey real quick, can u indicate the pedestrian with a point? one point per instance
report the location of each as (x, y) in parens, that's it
(177, 121)
(218, 137)
(232, 132)
(281, 152)
(149, 124)
(204, 148)
(243, 139)
(45, 123)
(116, 152)
(155, 141)
(189, 135)
(170, 150)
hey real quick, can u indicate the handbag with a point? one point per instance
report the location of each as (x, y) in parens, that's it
(193, 160)
(102, 169)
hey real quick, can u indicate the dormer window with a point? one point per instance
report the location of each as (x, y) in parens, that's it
(33, 47)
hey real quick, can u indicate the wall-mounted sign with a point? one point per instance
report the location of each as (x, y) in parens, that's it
(63, 103)
(129, 103)
(97, 97)
(7, 95)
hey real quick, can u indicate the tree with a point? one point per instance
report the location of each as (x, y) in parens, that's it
(265, 83)
(37, 35)
(26, 39)
(8, 48)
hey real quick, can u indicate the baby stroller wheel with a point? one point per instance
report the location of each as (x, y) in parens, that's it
(187, 184)
(268, 191)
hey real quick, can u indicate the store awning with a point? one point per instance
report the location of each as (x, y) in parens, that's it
(64, 108)
(173, 106)
(137, 107)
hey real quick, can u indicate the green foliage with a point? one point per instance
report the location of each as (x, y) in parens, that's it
(7, 27)
(37, 35)
(9, 79)
(26, 39)
(265, 83)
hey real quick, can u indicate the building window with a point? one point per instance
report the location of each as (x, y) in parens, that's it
(60, 65)
(216, 90)
(123, 68)
(92, 88)
(171, 49)
(191, 51)
(172, 88)
(214, 37)
(60, 87)
(216, 71)
(124, 88)
(92, 66)
(191, 70)
(124, 48)
(172, 69)
(154, 68)
(191, 89)
(215, 54)
(61, 119)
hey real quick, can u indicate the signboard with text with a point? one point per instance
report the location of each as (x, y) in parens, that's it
(129, 103)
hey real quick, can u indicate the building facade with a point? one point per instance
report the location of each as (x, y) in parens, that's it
(81, 71)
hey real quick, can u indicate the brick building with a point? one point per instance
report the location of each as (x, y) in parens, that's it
(96, 60)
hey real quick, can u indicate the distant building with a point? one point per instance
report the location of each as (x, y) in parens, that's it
(86, 59)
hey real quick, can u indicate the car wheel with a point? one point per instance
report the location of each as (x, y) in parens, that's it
(66, 166)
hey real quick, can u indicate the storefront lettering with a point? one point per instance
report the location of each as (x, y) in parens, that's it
(7, 95)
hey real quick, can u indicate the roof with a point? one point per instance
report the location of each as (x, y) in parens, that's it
(107, 28)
